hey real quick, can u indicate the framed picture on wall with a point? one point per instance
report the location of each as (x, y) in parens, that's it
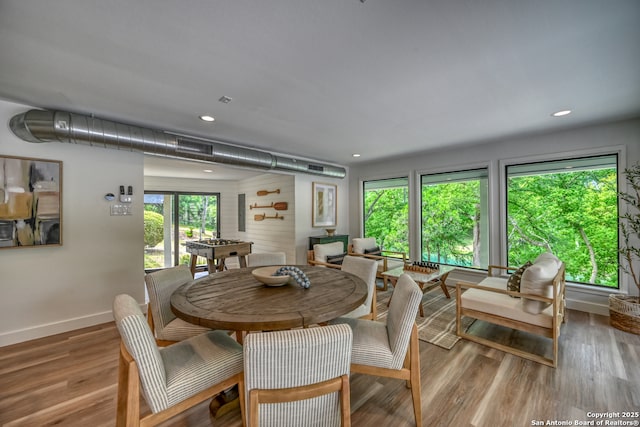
(30, 202)
(324, 205)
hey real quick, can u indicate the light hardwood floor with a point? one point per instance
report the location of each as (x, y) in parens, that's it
(70, 380)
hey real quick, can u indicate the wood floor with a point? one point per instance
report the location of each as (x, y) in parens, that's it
(70, 380)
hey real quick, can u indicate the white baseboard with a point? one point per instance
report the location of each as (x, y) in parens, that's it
(41, 331)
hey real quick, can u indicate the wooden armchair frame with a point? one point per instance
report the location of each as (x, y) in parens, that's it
(558, 316)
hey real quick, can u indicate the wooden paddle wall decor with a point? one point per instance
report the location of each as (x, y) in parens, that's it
(265, 216)
(279, 206)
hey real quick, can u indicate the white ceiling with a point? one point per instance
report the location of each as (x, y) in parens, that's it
(328, 78)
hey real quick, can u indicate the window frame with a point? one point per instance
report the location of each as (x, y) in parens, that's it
(618, 150)
(453, 170)
(176, 229)
(363, 184)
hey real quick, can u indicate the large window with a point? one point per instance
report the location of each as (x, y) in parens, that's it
(173, 218)
(455, 218)
(570, 208)
(386, 213)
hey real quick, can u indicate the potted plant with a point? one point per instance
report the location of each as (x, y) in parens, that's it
(624, 310)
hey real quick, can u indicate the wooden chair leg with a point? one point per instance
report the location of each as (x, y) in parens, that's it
(414, 361)
(128, 401)
(374, 305)
(345, 393)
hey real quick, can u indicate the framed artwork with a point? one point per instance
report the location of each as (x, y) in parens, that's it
(30, 202)
(324, 205)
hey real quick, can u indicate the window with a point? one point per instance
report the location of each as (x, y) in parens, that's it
(568, 207)
(171, 219)
(386, 213)
(455, 226)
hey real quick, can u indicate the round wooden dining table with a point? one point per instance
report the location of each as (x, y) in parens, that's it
(235, 300)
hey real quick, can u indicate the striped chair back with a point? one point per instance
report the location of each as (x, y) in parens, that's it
(296, 361)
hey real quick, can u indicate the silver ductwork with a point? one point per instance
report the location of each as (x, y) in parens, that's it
(61, 126)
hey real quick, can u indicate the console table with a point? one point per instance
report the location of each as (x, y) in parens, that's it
(315, 240)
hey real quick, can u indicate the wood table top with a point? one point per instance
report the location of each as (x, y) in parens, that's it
(235, 300)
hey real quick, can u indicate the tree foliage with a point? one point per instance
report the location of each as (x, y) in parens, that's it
(450, 217)
(386, 217)
(573, 215)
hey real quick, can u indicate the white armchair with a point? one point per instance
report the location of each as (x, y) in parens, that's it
(323, 254)
(537, 308)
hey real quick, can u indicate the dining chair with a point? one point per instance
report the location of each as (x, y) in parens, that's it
(366, 269)
(167, 328)
(391, 349)
(266, 258)
(367, 247)
(171, 379)
(297, 378)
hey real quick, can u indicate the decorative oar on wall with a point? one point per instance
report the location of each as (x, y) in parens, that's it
(265, 216)
(265, 192)
(279, 206)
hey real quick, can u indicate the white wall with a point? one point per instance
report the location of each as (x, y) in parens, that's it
(623, 133)
(48, 290)
(270, 235)
(304, 186)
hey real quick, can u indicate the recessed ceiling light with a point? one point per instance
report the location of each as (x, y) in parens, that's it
(561, 113)
(356, 155)
(207, 170)
(207, 118)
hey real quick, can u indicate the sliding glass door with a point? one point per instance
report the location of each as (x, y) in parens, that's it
(173, 218)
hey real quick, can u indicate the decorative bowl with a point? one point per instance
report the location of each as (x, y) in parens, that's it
(265, 275)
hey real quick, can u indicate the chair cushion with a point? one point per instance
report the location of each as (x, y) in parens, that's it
(370, 342)
(513, 283)
(374, 251)
(336, 259)
(178, 330)
(538, 280)
(548, 256)
(200, 362)
(502, 305)
(322, 250)
(362, 243)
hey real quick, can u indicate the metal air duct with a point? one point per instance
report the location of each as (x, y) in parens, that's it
(61, 126)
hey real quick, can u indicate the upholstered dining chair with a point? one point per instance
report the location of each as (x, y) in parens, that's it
(391, 349)
(167, 328)
(171, 379)
(365, 269)
(298, 377)
(258, 259)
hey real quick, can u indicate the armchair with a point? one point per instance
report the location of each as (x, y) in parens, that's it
(327, 255)
(387, 260)
(537, 308)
